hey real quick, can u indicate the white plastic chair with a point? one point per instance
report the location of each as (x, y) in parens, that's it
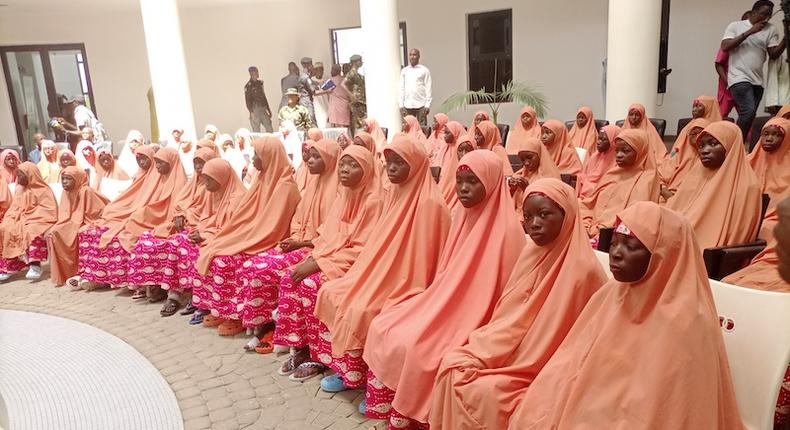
(756, 330)
(603, 258)
(582, 153)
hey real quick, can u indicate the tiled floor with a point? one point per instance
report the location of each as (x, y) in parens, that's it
(217, 385)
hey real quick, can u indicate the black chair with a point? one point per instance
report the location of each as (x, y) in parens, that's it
(504, 129)
(569, 179)
(435, 172)
(599, 124)
(757, 128)
(385, 130)
(569, 124)
(658, 123)
(605, 239)
(682, 123)
(426, 130)
(515, 162)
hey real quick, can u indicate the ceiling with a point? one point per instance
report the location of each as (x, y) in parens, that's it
(109, 5)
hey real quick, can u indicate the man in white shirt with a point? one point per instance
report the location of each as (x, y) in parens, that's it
(415, 89)
(749, 43)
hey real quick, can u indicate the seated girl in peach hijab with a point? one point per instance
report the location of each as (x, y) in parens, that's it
(637, 119)
(107, 168)
(584, 133)
(600, 160)
(49, 166)
(537, 164)
(155, 257)
(406, 342)
(412, 127)
(261, 279)
(682, 157)
(372, 127)
(447, 159)
(656, 318)
(480, 383)
(414, 226)
(5, 199)
(9, 161)
(257, 224)
(486, 135)
(32, 213)
(705, 107)
(770, 159)
(555, 137)
(366, 141)
(341, 237)
(80, 206)
(148, 202)
(634, 179)
(436, 138)
(526, 126)
(66, 158)
(720, 196)
(479, 117)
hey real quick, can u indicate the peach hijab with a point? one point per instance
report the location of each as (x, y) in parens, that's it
(375, 131)
(480, 383)
(33, 211)
(5, 172)
(587, 136)
(414, 129)
(622, 187)
(597, 163)
(546, 168)
(683, 155)
(49, 168)
(5, 199)
(219, 204)
(398, 262)
(320, 194)
(447, 158)
(723, 205)
(653, 138)
(158, 209)
(137, 195)
(711, 105)
(79, 207)
(773, 168)
(263, 216)
(518, 132)
(647, 354)
(562, 150)
(436, 138)
(492, 142)
(115, 171)
(302, 172)
(381, 180)
(406, 342)
(351, 219)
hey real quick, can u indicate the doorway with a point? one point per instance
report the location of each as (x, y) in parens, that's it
(41, 79)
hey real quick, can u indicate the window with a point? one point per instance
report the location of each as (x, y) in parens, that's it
(489, 35)
(349, 41)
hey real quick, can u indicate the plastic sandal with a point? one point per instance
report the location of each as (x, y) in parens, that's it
(230, 328)
(266, 346)
(212, 321)
(190, 309)
(197, 318)
(363, 407)
(138, 294)
(333, 384)
(307, 365)
(288, 367)
(170, 308)
(252, 344)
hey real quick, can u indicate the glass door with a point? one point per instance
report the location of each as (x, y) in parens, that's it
(41, 81)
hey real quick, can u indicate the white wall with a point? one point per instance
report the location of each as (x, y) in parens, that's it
(558, 45)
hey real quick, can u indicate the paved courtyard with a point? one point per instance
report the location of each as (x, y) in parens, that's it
(217, 385)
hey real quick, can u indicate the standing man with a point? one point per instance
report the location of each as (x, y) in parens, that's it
(305, 86)
(257, 104)
(291, 80)
(295, 112)
(355, 84)
(415, 89)
(748, 43)
(320, 97)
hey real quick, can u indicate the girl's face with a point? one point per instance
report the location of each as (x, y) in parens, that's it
(479, 138)
(87, 134)
(315, 164)
(711, 152)
(526, 119)
(49, 151)
(697, 110)
(469, 188)
(21, 178)
(68, 182)
(397, 168)
(581, 120)
(693, 135)
(67, 160)
(629, 259)
(367, 128)
(210, 135)
(634, 117)
(546, 136)
(603, 143)
(772, 138)
(133, 145)
(448, 135)
(464, 149)
(343, 142)
(543, 219)
(198, 163)
(11, 161)
(350, 172)
(227, 144)
(87, 152)
(624, 155)
(105, 160)
(530, 159)
(436, 125)
(479, 118)
(163, 167)
(212, 186)
(143, 162)
(257, 163)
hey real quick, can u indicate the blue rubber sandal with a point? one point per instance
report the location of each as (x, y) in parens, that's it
(197, 318)
(363, 407)
(333, 384)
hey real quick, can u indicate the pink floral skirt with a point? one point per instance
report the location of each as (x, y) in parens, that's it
(378, 398)
(108, 265)
(260, 281)
(783, 403)
(296, 324)
(218, 291)
(154, 261)
(36, 252)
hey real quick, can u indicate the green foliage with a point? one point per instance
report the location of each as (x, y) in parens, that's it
(515, 92)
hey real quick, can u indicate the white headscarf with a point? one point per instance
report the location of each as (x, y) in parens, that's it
(232, 154)
(213, 128)
(127, 160)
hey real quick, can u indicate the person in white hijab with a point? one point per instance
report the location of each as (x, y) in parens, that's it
(211, 132)
(127, 160)
(83, 163)
(232, 154)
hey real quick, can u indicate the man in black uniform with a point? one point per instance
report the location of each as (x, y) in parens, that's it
(257, 104)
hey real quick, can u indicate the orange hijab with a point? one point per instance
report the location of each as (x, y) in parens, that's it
(351, 219)
(683, 155)
(320, 194)
(492, 142)
(653, 138)
(723, 205)
(546, 168)
(33, 211)
(545, 294)
(5, 172)
(518, 132)
(414, 129)
(783, 111)
(219, 204)
(189, 201)
(773, 168)
(206, 143)
(377, 133)
(5, 199)
(406, 342)
(115, 172)
(586, 137)
(302, 172)
(711, 105)
(622, 186)
(381, 180)
(79, 207)
(159, 208)
(263, 216)
(315, 134)
(448, 159)
(647, 354)
(436, 139)
(137, 195)
(398, 262)
(597, 163)
(562, 150)
(482, 115)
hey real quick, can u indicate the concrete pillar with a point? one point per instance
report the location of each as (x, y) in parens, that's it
(167, 66)
(632, 56)
(382, 61)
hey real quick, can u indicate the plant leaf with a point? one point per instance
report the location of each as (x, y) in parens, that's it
(463, 99)
(512, 92)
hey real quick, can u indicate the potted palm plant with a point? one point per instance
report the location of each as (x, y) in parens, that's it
(513, 91)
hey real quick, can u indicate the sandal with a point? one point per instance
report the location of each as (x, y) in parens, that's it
(157, 295)
(230, 328)
(288, 367)
(170, 308)
(212, 321)
(266, 345)
(252, 344)
(198, 317)
(138, 294)
(74, 283)
(312, 368)
(190, 309)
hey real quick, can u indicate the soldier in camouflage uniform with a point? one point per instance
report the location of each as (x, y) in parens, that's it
(355, 83)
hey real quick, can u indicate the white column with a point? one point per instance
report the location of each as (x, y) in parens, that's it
(632, 56)
(382, 61)
(167, 66)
